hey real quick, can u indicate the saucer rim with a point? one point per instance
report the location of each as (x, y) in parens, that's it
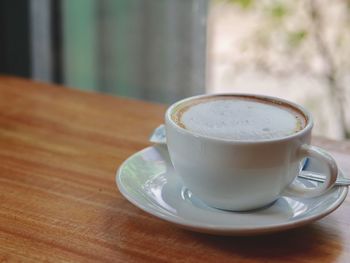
(215, 228)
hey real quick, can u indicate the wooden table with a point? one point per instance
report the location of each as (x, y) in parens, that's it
(59, 151)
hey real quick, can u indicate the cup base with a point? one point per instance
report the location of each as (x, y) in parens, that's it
(254, 209)
(237, 208)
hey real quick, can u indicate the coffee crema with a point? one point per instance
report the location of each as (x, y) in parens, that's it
(239, 117)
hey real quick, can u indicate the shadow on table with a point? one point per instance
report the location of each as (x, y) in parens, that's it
(318, 242)
(315, 241)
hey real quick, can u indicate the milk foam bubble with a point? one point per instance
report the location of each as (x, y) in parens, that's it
(240, 119)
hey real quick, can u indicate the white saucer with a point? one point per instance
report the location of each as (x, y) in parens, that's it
(148, 180)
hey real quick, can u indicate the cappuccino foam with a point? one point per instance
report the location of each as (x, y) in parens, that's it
(239, 118)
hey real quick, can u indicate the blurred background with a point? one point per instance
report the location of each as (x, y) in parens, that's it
(165, 50)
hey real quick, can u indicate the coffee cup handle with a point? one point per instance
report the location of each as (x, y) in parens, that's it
(331, 173)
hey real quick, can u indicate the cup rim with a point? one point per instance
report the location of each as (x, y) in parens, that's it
(305, 112)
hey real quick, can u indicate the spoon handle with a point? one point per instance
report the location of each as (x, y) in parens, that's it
(320, 178)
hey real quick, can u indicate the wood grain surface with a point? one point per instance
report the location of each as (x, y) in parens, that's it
(59, 151)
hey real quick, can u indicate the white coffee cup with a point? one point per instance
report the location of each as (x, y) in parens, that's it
(244, 174)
